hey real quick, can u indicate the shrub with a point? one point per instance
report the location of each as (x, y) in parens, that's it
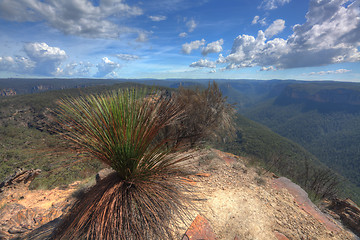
(207, 116)
(148, 194)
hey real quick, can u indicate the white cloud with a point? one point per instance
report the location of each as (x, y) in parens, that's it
(81, 69)
(221, 59)
(276, 27)
(157, 18)
(191, 24)
(142, 37)
(16, 64)
(212, 71)
(203, 63)
(342, 71)
(47, 59)
(331, 34)
(107, 68)
(40, 59)
(255, 20)
(127, 57)
(183, 34)
(271, 68)
(75, 17)
(43, 52)
(213, 47)
(272, 4)
(187, 48)
(339, 71)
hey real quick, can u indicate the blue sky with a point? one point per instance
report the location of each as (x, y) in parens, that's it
(231, 39)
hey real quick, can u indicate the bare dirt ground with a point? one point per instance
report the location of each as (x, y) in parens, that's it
(240, 202)
(243, 203)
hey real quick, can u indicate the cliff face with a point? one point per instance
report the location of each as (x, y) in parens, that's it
(239, 202)
(7, 92)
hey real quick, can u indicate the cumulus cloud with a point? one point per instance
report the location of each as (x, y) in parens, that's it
(331, 34)
(127, 57)
(221, 59)
(191, 24)
(339, 71)
(203, 63)
(183, 34)
(213, 47)
(107, 68)
(16, 64)
(187, 48)
(76, 17)
(80, 69)
(43, 52)
(40, 59)
(276, 27)
(272, 4)
(157, 18)
(47, 59)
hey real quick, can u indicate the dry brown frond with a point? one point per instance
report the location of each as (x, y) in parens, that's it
(116, 209)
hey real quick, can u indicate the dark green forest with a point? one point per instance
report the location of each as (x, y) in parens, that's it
(329, 130)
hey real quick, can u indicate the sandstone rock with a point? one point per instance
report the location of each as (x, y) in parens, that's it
(103, 174)
(21, 178)
(4, 235)
(22, 210)
(280, 236)
(349, 213)
(199, 229)
(301, 198)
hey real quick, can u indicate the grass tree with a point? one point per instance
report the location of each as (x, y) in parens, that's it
(148, 194)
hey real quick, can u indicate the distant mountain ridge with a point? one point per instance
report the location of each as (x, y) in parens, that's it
(341, 96)
(324, 118)
(15, 86)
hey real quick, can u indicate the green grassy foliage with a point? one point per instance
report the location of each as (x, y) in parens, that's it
(137, 134)
(119, 128)
(26, 148)
(25, 141)
(148, 193)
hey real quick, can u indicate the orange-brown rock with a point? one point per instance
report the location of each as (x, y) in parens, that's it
(301, 198)
(20, 179)
(349, 213)
(199, 229)
(22, 210)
